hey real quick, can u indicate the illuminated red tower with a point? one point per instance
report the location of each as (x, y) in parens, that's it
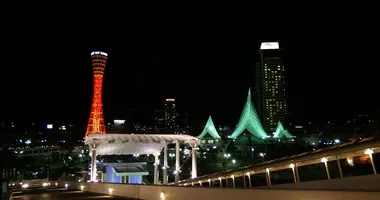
(96, 121)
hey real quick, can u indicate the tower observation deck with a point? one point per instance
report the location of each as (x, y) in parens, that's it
(96, 120)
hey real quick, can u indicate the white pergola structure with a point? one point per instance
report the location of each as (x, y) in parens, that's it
(126, 144)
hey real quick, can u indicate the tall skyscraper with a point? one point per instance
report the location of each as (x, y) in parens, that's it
(170, 113)
(271, 86)
(96, 120)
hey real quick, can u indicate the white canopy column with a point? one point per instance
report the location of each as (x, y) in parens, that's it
(194, 163)
(93, 165)
(93, 162)
(156, 163)
(177, 161)
(194, 159)
(165, 167)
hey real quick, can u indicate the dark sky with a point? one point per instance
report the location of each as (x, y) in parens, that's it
(47, 70)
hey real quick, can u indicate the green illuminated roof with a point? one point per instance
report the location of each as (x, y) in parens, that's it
(280, 132)
(209, 128)
(249, 120)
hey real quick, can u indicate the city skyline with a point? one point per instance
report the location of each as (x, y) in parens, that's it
(206, 77)
(93, 103)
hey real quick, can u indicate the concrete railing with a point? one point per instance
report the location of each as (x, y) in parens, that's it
(369, 183)
(154, 192)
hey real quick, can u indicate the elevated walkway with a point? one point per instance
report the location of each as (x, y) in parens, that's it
(325, 155)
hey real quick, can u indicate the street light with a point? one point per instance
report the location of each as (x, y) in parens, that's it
(233, 180)
(324, 160)
(262, 155)
(369, 152)
(249, 179)
(269, 182)
(292, 166)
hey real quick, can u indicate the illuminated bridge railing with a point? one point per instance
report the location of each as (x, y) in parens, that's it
(368, 146)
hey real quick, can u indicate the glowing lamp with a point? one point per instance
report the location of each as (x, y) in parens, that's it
(368, 152)
(350, 161)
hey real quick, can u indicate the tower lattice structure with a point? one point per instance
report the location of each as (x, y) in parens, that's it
(96, 121)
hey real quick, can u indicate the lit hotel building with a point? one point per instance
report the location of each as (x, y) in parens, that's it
(271, 86)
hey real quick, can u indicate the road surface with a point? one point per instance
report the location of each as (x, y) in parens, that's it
(62, 195)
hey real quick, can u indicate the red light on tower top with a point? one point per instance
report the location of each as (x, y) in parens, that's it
(96, 121)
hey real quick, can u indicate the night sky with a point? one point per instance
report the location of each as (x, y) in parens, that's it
(47, 72)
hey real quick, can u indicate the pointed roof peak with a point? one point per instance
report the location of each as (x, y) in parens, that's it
(249, 93)
(249, 120)
(280, 126)
(209, 120)
(209, 128)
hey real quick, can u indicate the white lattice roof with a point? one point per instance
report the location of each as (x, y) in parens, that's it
(125, 144)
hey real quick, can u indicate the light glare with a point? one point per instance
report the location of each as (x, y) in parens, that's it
(162, 195)
(269, 45)
(368, 151)
(99, 53)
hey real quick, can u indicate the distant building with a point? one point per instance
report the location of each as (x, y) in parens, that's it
(117, 126)
(131, 173)
(271, 86)
(186, 121)
(139, 128)
(159, 119)
(170, 113)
